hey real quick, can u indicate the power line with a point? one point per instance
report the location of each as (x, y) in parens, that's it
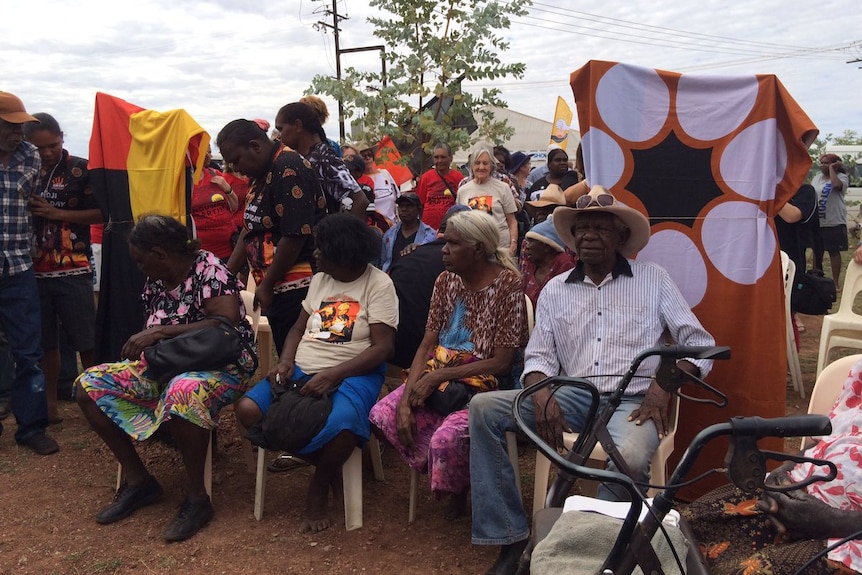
(663, 30)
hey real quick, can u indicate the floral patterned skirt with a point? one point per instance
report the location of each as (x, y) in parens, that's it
(737, 539)
(442, 443)
(139, 405)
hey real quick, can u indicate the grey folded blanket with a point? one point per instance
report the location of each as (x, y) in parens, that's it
(580, 541)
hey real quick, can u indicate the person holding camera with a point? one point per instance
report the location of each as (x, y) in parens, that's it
(831, 184)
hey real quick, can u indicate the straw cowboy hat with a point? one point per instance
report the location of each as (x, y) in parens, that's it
(601, 200)
(550, 196)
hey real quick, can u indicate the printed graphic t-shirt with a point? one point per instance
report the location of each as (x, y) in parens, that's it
(63, 248)
(492, 197)
(340, 315)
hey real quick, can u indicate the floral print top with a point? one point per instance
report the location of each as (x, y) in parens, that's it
(843, 447)
(184, 304)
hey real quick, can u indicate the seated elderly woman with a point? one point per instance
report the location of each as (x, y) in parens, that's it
(544, 257)
(338, 346)
(778, 533)
(475, 324)
(186, 287)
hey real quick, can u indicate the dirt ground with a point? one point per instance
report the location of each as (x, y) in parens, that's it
(47, 506)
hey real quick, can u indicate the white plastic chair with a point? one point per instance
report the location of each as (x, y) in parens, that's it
(253, 318)
(828, 385)
(351, 474)
(844, 327)
(658, 466)
(511, 437)
(788, 269)
(263, 331)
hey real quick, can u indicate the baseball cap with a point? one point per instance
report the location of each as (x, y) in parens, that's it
(12, 109)
(409, 197)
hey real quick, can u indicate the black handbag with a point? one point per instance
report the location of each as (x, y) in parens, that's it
(204, 349)
(292, 419)
(455, 397)
(813, 294)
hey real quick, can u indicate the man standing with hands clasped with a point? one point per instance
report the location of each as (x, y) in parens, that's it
(20, 179)
(589, 323)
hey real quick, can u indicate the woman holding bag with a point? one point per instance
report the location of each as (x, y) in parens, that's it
(476, 323)
(338, 348)
(185, 290)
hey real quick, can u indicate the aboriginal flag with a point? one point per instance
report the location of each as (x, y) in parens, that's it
(141, 161)
(709, 160)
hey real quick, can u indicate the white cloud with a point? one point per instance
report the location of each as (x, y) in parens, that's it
(223, 59)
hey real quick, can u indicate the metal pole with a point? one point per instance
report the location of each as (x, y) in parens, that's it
(338, 68)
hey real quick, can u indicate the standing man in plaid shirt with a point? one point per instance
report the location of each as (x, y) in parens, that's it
(20, 319)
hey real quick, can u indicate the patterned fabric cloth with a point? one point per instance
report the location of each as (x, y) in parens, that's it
(442, 443)
(736, 539)
(63, 248)
(137, 403)
(286, 202)
(739, 539)
(452, 358)
(470, 324)
(482, 320)
(334, 177)
(843, 447)
(18, 180)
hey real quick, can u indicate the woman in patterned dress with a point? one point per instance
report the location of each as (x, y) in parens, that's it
(778, 533)
(185, 286)
(475, 324)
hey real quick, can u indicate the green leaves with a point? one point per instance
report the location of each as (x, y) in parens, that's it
(430, 46)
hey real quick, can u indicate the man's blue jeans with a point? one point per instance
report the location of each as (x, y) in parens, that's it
(498, 514)
(21, 322)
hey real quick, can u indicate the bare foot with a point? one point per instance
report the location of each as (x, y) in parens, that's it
(310, 525)
(316, 513)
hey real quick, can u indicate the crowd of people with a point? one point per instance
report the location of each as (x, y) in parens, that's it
(353, 275)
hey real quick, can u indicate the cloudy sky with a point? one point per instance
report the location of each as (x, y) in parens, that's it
(225, 59)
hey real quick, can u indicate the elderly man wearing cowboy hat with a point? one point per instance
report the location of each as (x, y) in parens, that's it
(20, 180)
(589, 323)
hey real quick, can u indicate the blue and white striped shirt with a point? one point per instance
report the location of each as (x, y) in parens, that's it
(588, 330)
(19, 180)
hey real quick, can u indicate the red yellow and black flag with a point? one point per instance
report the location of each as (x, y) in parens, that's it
(141, 161)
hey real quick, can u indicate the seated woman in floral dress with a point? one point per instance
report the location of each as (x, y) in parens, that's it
(476, 323)
(186, 287)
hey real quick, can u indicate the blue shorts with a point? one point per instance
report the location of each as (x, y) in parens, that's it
(351, 403)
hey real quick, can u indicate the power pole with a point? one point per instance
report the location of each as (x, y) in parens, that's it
(336, 19)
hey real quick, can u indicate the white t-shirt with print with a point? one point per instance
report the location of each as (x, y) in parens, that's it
(340, 315)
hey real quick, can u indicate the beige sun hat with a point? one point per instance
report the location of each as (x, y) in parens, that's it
(551, 196)
(601, 200)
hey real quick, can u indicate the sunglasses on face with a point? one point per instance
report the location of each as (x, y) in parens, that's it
(602, 200)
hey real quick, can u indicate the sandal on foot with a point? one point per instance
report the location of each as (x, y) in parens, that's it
(285, 462)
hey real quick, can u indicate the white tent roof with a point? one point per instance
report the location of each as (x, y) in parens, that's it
(532, 136)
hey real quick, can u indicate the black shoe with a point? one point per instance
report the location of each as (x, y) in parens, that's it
(4, 410)
(192, 516)
(41, 444)
(508, 560)
(128, 499)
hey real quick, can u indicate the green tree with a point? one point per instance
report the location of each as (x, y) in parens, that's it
(849, 138)
(430, 47)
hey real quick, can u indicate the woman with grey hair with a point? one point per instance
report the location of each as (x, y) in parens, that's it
(475, 325)
(490, 195)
